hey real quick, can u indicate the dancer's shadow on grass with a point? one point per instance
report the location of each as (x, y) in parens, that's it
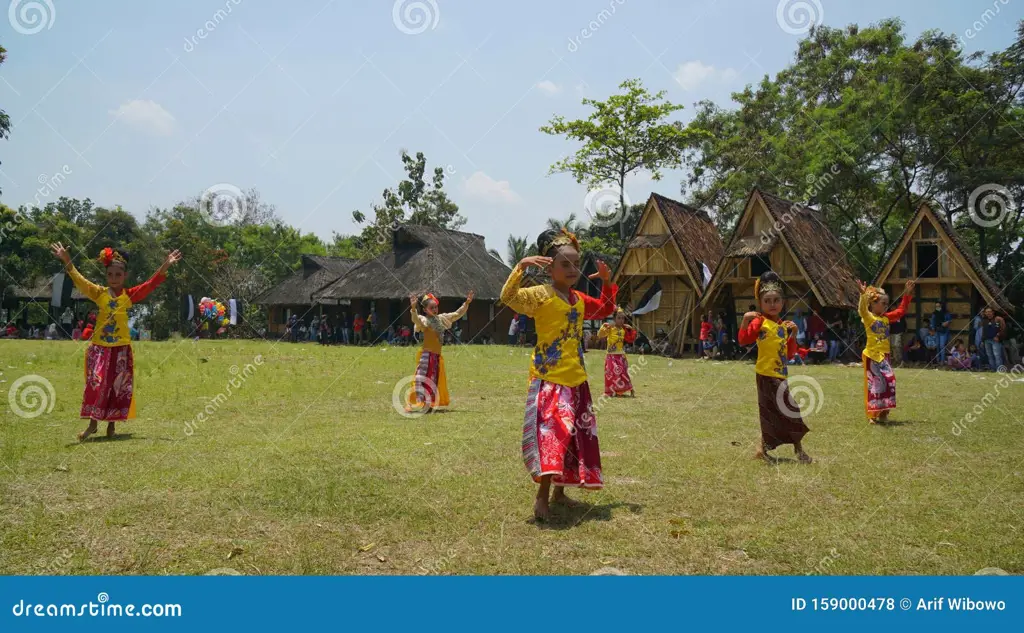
(96, 439)
(566, 517)
(894, 423)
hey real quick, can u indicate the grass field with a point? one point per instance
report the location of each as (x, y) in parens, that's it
(307, 469)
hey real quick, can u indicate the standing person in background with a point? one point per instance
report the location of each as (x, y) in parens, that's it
(67, 319)
(513, 330)
(357, 327)
(371, 325)
(801, 329)
(314, 328)
(993, 333)
(346, 328)
(707, 342)
(834, 330)
(939, 321)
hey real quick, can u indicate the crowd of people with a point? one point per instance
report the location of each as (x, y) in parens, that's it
(357, 330)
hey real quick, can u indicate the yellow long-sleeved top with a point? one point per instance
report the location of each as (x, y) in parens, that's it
(616, 337)
(558, 356)
(877, 327)
(112, 320)
(434, 327)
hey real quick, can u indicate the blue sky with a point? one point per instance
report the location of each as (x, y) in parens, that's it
(311, 101)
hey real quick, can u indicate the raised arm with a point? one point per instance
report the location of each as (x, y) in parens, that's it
(749, 329)
(449, 318)
(897, 314)
(138, 293)
(524, 300)
(419, 322)
(603, 332)
(86, 287)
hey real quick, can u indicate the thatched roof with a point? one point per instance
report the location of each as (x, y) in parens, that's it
(316, 272)
(752, 246)
(939, 221)
(424, 259)
(694, 233)
(816, 249)
(648, 241)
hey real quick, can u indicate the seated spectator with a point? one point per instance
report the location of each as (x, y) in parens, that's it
(818, 352)
(976, 361)
(914, 351)
(959, 359)
(76, 334)
(931, 343)
(727, 350)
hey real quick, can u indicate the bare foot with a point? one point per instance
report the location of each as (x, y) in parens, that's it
(632, 393)
(560, 498)
(541, 511)
(762, 454)
(110, 429)
(87, 432)
(804, 458)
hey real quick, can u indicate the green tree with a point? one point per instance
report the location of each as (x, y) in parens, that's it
(414, 201)
(517, 248)
(626, 134)
(5, 121)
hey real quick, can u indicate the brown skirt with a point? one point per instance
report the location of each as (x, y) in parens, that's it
(781, 422)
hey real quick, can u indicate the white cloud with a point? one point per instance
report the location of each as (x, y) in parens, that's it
(148, 116)
(482, 187)
(549, 87)
(690, 75)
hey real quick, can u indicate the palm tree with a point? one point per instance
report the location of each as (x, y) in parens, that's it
(570, 224)
(518, 248)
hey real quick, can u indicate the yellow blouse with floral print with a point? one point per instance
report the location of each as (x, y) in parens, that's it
(616, 337)
(112, 319)
(558, 355)
(433, 327)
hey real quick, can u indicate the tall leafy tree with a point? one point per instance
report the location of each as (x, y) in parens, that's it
(626, 134)
(5, 121)
(413, 201)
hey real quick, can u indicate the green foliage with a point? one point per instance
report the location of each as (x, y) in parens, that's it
(412, 202)
(5, 121)
(866, 126)
(624, 135)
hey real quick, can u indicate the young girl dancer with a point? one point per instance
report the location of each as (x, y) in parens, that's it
(109, 362)
(879, 378)
(559, 430)
(781, 422)
(616, 369)
(431, 383)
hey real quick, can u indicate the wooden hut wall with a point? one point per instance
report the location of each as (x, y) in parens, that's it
(951, 284)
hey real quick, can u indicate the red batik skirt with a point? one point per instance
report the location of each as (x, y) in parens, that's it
(616, 375)
(560, 435)
(879, 386)
(109, 383)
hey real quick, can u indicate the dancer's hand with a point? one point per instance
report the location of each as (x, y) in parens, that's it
(413, 300)
(603, 272)
(60, 252)
(538, 261)
(863, 287)
(172, 258)
(469, 297)
(909, 286)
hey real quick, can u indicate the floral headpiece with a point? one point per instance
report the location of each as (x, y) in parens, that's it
(768, 286)
(619, 310)
(873, 293)
(429, 297)
(109, 256)
(564, 238)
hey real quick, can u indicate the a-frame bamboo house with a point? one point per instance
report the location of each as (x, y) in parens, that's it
(931, 253)
(672, 245)
(794, 241)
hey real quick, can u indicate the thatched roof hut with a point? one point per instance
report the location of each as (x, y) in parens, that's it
(945, 269)
(316, 272)
(672, 245)
(424, 259)
(794, 241)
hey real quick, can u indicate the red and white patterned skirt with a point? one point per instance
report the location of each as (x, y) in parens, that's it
(616, 375)
(560, 435)
(109, 383)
